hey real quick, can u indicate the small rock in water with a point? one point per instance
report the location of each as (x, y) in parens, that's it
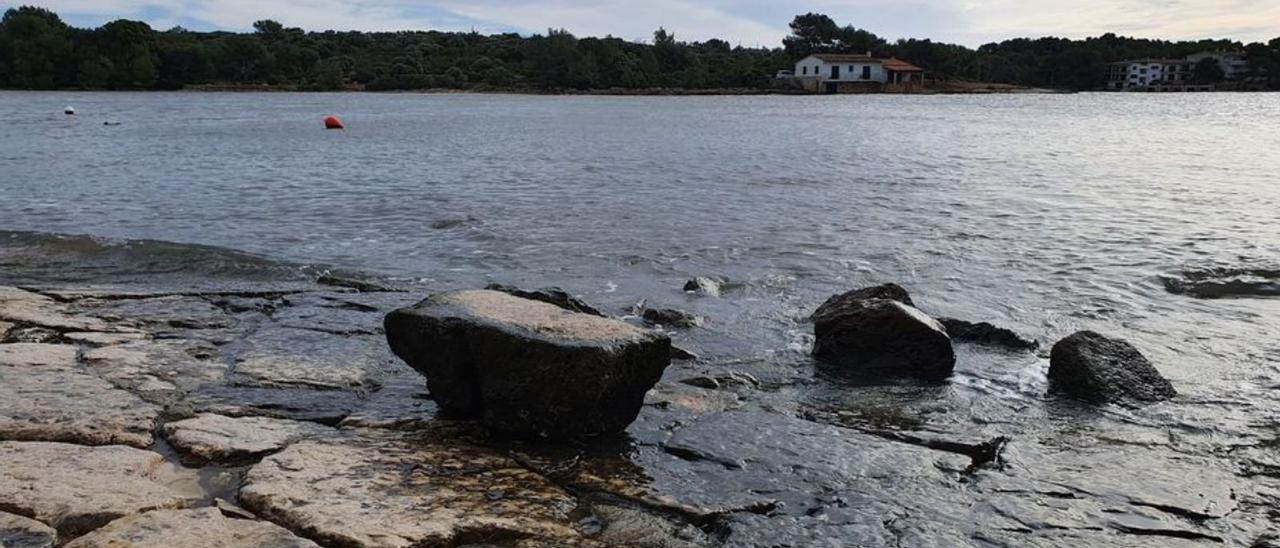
(1218, 283)
(986, 334)
(681, 354)
(528, 368)
(704, 286)
(671, 318)
(873, 331)
(1094, 368)
(550, 295)
(349, 283)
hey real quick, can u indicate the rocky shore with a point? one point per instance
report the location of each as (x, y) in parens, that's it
(267, 414)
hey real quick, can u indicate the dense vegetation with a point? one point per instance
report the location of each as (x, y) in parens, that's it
(39, 51)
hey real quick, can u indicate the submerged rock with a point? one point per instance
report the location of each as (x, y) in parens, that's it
(20, 532)
(76, 489)
(289, 357)
(420, 492)
(1094, 368)
(203, 527)
(671, 318)
(873, 331)
(45, 398)
(550, 295)
(219, 438)
(986, 334)
(1216, 283)
(702, 285)
(526, 367)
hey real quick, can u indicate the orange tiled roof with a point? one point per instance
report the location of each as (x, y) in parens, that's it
(898, 65)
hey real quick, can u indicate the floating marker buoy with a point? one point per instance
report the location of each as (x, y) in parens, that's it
(69, 111)
(332, 122)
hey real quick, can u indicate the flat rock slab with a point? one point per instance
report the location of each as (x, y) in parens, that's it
(125, 292)
(43, 398)
(206, 527)
(528, 368)
(76, 489)
(303, 404)
(392, 493)
(282, 357)
(25, 307)
(20, 532)
(218, 438)
(160, 371)
(164, 312)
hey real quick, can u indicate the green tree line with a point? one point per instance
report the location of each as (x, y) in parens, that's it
(39, 51)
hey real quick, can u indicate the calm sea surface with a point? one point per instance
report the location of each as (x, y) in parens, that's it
(1043, 213)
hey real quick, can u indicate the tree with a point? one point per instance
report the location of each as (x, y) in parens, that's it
(35, 49)
(1208, 71)
(811, 33)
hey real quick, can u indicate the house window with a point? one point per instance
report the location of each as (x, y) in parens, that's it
(804, 71)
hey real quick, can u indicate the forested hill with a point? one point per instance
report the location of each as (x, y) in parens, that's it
(39, 51)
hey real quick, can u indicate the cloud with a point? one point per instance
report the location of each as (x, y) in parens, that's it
(746, 22)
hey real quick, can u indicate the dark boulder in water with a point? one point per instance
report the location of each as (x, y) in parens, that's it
(1094, 368)
(671, 318)
(1217, 283)
(986, 334)
(703, 285)
(528, 368)
(551, 295)
(864, 332)
(892, 292)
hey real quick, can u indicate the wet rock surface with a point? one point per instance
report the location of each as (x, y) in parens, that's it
(986, 334)
(1092, 367)
(201, 527)
(427, 490)
(868, 334)
(551, 295)
(528, 368)
(1225, 282)
(339, 448)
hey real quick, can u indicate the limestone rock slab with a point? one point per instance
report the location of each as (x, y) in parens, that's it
(283, 357)
(206, 527)
(219, 438)
(43, 398)
(76, 489)
(390, 493)
(20, 532)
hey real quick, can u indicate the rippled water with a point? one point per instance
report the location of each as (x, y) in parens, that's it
(1043, 213)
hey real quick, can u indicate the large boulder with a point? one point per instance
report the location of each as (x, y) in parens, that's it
(874, 331)
(528, 368)
(1094, 368)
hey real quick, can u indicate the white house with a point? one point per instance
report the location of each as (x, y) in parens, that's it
(1234, 64)
(1142, 74)
(844, 73)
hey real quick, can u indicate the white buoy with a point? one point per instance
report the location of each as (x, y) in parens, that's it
(69, 111)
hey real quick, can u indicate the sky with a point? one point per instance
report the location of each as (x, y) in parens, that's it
(741, 22)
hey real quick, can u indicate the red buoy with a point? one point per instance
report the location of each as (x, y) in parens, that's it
(332, 122)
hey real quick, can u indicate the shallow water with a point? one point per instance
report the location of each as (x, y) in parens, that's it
(1043, 213)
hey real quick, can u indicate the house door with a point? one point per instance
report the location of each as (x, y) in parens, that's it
(835, 72)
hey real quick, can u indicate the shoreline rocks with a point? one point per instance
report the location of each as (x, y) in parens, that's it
(203, 527)
(1091, 367)
(875, 331)
(550, 295)
(528, 368)
(986, 334)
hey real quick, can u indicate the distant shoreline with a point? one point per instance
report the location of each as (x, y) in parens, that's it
(951, 88)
